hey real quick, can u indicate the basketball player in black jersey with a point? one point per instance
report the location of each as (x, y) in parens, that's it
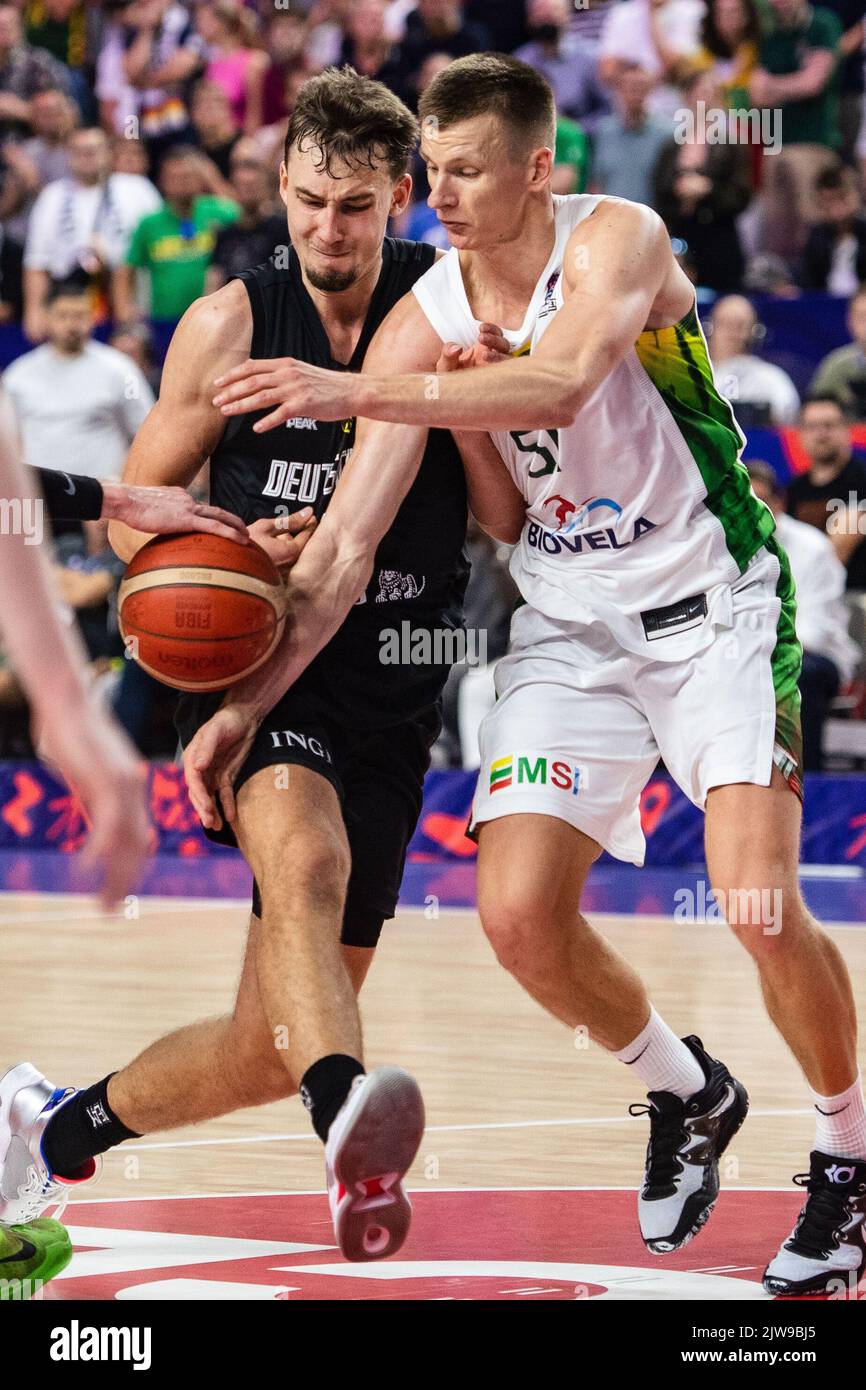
(330, 792)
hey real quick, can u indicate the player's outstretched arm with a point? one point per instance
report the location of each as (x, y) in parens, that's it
(617, 264)
(73, 497)
(332, 572)
(85, 743)
(184, 427)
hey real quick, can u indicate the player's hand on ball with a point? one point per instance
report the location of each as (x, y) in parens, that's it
(213, 759)
(164, 510)
(284, 537)
(490, 346)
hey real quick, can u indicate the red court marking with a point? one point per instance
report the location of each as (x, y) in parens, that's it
(553, 1242)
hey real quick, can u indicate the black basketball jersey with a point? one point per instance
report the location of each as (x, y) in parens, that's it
(420, 568)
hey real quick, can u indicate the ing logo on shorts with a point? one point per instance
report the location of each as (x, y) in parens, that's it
(536, 770)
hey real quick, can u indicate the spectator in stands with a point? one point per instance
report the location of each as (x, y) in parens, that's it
(82, 223)
(656, 35)
(850, 14)
(700, 188)
(832, 495)
(769, 274)
(215, 127)
(135, 341)
(174, 245)
(161, 51)
(570, 157)
(834, 257)
(236, 60)
(566, 62)
(842, 373)
(270, 139)
(797, 75)
(760, 392)
(729, 41)
(27, 168)
(24, 71)
(87, 573)
(69, 30)
(829, 654)
(367, 45)
(435, 26)
(53, 117)
(506, 26)
(260, 231)
(285, 37)
(78, 403)
(129, 156)
(628, 143)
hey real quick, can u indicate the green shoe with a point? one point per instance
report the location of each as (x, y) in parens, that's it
(31, 1255)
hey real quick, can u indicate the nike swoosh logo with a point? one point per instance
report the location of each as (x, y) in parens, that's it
(71, 488)
(841, 1111)
(27, 1251)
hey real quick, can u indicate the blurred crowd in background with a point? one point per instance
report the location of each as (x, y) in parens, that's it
(140, 142)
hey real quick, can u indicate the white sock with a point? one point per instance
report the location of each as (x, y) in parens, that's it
(840, 1128)
(662, 1060)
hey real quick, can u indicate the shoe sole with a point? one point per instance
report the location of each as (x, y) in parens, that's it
(375, 1151)
(823, 1284)
(738, 1112)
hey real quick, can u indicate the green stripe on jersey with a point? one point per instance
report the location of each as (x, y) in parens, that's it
(676, 361)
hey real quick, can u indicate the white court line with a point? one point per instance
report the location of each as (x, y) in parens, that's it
(318, 1192)
(434, 1129)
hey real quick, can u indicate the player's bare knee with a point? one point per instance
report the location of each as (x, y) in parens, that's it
(768, 921)
(310, 882)
(512, 923)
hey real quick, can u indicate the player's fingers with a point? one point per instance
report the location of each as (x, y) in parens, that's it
(259, 400)
(250, 367)
(231, 525)
(243, 387)
(276, 417)
(227, 797)
(449, 358)
(294, 522)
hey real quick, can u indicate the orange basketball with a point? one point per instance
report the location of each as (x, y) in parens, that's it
(200, 612)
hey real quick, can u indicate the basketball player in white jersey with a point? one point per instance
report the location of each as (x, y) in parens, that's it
(659, 620)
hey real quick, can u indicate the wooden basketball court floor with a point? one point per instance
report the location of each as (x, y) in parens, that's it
(525, 1182)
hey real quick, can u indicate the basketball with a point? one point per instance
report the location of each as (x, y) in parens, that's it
(200, 612)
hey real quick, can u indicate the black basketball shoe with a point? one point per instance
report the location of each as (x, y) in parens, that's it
(825, 1252)
(687, 1139)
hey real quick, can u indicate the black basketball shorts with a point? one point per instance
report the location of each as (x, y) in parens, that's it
(378, 776)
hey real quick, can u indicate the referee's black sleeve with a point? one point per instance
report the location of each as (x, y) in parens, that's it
(68, 497)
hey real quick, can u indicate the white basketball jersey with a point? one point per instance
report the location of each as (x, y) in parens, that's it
(642, 503)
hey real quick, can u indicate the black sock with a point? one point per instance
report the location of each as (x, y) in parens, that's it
(83, 1127)
(324, 1087)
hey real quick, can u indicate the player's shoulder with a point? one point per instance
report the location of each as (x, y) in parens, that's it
(217, 320)
(28, 364)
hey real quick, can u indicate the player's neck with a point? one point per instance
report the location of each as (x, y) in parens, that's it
(343, 312)
(500, 280)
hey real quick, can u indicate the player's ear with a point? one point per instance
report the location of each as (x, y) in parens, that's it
(540, 167)
(400, 196)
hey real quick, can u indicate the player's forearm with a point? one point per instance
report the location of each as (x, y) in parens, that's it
(323, 586)
(494, 501)
(523, 394)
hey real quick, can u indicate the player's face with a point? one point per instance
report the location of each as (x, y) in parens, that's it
(337, 221)
(478, 188)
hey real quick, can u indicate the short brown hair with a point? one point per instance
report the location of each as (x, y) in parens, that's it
(493, 84)
(354, 120)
